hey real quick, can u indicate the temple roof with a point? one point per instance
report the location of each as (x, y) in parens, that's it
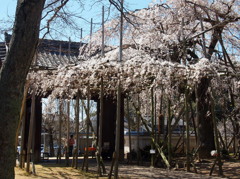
(50, 53)
(2, 50)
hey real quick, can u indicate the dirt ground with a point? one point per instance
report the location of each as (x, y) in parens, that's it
(51, 170)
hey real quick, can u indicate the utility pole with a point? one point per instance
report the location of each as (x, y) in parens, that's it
(121, 33)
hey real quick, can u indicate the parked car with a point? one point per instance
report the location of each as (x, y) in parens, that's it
(44, 154)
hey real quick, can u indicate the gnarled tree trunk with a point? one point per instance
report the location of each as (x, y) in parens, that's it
(206, 134)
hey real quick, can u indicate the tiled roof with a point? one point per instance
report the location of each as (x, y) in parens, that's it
(51, 53)
(2, 50)
(59, 47)
(54, 60)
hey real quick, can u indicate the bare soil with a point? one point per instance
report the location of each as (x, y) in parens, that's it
(51, 170)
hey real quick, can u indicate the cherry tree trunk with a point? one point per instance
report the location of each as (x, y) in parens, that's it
(206, 133)
(13, 76)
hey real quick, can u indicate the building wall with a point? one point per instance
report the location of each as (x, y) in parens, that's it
(146, 140)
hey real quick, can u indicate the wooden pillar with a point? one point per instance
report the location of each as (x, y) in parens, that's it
(100, 123)
(68, 131)
(153, 127)
(23, 119)
(187, 131)
(138, 129)
(160, 118)
(225, 134)
(117, 136)
(159, 149)
(38, 129)
(75, 153)
(30, 136)
(77, 112)
(88, 123)
(129, 131)
(169, 133)
(59, 132)
(26, 131)
(121, 145)
(155, 117)
(197, 118)
(87, 109)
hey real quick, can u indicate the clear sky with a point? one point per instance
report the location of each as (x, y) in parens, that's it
(7, 12)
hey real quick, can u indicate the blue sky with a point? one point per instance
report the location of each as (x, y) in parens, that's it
(7, 11)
